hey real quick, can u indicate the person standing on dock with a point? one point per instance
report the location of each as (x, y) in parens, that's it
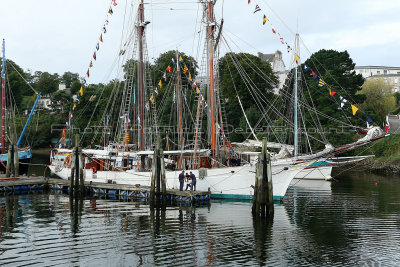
(181, 180)
(193, 177)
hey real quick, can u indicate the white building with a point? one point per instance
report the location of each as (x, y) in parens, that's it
(278, 66)
(44, 102)
(390, 75)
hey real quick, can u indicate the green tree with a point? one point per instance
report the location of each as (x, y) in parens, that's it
(60, 100)
(68, 78)
(157, 72)
(16, 84)
(379, 99)
(248, 77)
(337, 70)
(46, 83)
(75, 86)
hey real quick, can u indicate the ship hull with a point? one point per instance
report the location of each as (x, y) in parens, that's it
(229, 182)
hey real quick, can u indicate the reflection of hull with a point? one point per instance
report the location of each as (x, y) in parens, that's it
(310, 185)
(320, 170)
(229, 182)
(24, 157)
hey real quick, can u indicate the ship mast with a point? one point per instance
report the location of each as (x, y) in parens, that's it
(179, 87)
(210, 35)
(3, 101)
(141, 25)
(296, 137)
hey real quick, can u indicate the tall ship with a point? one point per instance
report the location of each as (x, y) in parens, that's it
(184, 108)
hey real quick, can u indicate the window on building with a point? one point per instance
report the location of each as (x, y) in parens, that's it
(385, 72)
(396, 80)
(378, 72)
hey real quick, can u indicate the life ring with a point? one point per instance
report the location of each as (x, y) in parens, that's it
(94, 170)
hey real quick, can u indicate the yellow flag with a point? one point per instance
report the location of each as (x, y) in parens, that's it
(190, 77)
(354, 109)
(197, 90)
(81, 91)
(152, 99)
(160, 84)
(265, 19)
(180, 59)
(296, 57)
(74, 107)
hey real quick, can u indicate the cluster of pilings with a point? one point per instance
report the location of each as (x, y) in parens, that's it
(263, 202)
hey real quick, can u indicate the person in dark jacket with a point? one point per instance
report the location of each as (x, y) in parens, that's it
(193, 177)
(192, 184)
(181, 180)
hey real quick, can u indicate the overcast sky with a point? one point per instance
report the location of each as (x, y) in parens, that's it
(61, 35)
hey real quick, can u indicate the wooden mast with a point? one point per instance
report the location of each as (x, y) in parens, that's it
(211, 27)
(3, 101)
(179, 87)
(141, 145)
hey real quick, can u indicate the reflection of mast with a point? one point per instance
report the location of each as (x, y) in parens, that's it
(3, 101)
(211, 27)
(141, 145)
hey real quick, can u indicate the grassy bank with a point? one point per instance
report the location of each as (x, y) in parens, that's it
(387, 155)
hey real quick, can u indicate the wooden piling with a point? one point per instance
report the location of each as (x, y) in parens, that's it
(158, 184)
(77, 181)
(263, 202)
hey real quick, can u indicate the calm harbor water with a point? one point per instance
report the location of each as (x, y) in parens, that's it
(354, 221)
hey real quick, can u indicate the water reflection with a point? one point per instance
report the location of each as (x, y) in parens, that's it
(356, 222)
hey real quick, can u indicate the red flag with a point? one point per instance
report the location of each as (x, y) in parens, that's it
(332, 93)
(63, 133)
(273, 30)
(87, 73)
(94, 55)
(387, 126)
(114, 2)
(249, 1)
(101, 38)
(185, 69)
(169, 68)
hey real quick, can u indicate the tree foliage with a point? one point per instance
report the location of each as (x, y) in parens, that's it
(47, 83)
(240, 75)
(337, 70)
(379, 99)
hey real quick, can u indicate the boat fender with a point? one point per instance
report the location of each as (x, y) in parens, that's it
(286, 168)
(232, 171)
(94, 170)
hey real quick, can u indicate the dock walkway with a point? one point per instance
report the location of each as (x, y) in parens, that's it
(24, 185)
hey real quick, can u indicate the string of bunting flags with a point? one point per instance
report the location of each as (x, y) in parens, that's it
(94, 58)
(189, 77)
(273, 28)
(320, 81)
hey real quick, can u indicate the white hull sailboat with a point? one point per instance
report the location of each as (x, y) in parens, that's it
(227, 182)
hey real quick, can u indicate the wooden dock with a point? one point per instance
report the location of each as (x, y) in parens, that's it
(25, 185)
